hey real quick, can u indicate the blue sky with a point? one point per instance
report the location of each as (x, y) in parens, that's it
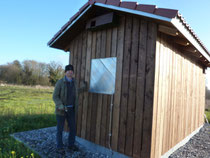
(27, 25)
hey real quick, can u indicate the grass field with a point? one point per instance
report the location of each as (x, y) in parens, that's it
(208, 115)
(21, 109)
(207, 112)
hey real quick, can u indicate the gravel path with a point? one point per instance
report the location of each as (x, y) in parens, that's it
(197, 147)
(43, 142)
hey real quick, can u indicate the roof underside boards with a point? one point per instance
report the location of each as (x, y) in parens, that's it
(90, 9)
(180, 26)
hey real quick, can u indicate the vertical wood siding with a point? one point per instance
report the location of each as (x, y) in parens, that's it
(133, 43)
(159, 93)
(178, 98)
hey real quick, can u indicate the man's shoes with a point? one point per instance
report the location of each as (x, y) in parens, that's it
(60, 151)
(73, 148)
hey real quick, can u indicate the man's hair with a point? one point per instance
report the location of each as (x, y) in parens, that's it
(69, 67)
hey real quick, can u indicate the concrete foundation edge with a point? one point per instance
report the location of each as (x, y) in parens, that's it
(97, 148)
(183, 142)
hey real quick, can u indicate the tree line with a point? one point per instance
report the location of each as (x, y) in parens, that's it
(31, 72)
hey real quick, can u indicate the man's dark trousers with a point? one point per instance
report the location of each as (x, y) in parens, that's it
(70, 117)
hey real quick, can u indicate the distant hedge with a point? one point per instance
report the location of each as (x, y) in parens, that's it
(31, 72)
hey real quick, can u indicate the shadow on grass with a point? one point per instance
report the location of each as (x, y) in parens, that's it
(18, 123)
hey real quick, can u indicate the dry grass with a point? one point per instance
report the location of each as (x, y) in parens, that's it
(26, 86)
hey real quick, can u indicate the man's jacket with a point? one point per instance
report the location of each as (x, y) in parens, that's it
(60, 96)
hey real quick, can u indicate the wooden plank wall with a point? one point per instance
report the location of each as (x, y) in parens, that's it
(179, 97)
(133, 43)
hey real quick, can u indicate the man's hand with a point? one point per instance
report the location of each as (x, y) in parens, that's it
(60, 107)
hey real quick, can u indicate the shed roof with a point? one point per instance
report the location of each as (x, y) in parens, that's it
(169, 16)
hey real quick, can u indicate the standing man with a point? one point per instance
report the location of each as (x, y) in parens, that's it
(65, 97)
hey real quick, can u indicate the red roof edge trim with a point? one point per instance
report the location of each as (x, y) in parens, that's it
(58, 33)
(75, 16)
(83, 7)
(129, 5)
(113, 2)
(100, 1)
(146, 8)
(54, 37)
(170, 13)
(48, 43)
(91, 2)
(66, 25)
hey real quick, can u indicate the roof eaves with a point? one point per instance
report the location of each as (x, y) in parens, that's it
(179, 16)
(136, 12)
(150, 11)
(173, 18)
(63, 30)
(185, 29)
(109, 5)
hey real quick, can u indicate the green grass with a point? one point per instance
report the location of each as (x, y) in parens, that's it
(208, 115)
(23, 109)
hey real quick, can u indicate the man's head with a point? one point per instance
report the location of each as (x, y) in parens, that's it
(69, 71)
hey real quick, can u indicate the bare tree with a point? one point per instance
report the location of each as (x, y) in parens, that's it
(31, 72)
(55, 72)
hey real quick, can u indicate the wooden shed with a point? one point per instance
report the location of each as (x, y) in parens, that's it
(159, 97)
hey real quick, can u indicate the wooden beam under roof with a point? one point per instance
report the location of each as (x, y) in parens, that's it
(168, 30)
(181, 41)
(195, 55)
(190, 49)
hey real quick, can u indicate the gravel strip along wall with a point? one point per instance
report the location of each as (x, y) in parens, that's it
(43, 142)
(197, 147)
